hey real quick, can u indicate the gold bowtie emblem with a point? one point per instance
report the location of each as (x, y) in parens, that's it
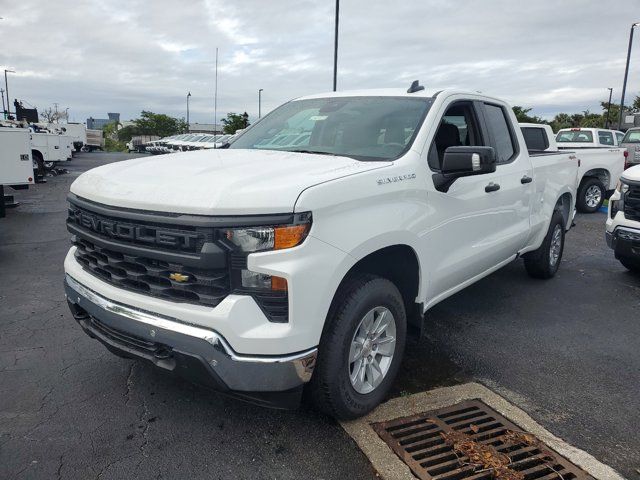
(178, 277)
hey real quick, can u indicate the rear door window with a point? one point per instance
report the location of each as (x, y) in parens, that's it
(605, 138)
(502, 136)
(535, 138)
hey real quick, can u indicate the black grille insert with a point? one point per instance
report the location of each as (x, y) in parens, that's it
(174, 238)
(632, 203)
(153, 277)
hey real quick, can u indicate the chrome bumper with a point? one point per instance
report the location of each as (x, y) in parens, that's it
(197, 353)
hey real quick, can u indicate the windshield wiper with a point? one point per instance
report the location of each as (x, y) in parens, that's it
(317, 152)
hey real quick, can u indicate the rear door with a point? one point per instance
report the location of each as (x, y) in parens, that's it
(514, 177)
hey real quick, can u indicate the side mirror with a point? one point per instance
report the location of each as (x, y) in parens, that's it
(464, 162)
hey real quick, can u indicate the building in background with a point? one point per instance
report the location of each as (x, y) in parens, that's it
(99, 123)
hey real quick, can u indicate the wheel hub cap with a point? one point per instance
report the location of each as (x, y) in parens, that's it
(593, 196)
(556, 245)
(372, 349)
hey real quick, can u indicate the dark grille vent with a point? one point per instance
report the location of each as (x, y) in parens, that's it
(632, 203)
(440, 444)
(153, 277)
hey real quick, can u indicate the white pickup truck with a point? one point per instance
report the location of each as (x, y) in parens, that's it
(623, 222)
(256, 270)
(602, 161)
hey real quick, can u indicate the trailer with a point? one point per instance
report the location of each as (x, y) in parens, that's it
(95, 140)
(138, 142)
(16, 167)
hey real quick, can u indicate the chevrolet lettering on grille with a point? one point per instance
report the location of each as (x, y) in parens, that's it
(139, 233)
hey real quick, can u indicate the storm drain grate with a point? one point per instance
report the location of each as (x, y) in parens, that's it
(472, 441)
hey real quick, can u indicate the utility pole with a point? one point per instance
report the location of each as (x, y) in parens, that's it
(4, 109)
(215, 98)
(626, 74)
(188, 95)
(260, 103)
(6, 89)
(606, 124)
(335, 48)
(56, 117)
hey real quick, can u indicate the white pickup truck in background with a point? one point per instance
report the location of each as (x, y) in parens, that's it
(600, 164)
(255, 270)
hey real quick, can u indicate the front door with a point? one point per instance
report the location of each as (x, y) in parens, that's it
(481, 220)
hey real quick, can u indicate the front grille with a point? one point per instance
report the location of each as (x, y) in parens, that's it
(153, 277)
(143, 233)
(472, 441)
(181, 258)
(632, 203)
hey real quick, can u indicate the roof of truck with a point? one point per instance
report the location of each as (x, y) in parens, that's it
(388, 92)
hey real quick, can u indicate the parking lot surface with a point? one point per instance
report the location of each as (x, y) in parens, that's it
(564, 350)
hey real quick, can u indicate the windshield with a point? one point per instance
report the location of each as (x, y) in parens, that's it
(632, 136)
(364, 128)
(575, 136)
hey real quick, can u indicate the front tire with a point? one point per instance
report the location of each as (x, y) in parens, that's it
(545, 261)
(590, 195)
(361, 347)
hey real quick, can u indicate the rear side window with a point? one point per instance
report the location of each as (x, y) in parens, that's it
(499, 126)
(605, 138)
(535, 138)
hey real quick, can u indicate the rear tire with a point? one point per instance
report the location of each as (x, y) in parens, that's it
(590, 195)
(38, 161)
(361, 347)
(544, 262)
(630, 264)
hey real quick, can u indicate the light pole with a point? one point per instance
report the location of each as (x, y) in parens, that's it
(4, 109)
(606, 124)
(6, 89)
(188, 95)
(626, 73)
(260, 102)
(335, 47)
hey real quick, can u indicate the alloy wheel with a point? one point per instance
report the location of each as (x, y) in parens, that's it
(372, 349)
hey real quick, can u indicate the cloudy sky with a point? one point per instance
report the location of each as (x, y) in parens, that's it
(128, 55)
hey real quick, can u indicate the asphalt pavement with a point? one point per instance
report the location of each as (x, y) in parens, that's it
(564, 350)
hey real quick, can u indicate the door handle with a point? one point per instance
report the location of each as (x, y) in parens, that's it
(492, 187)
(526, 179)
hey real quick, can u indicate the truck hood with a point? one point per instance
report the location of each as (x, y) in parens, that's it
(215, 182)
(632, 173)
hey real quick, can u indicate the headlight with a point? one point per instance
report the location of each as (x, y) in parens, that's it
(617, 205)
(258, 239)
(621, 187)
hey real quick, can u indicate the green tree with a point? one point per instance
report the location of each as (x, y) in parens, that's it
(235, 121)
(111, 143)
(522, 114)
(159, 124)
(125, 133)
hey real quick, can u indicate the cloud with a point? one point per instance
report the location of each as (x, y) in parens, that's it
(129, 55)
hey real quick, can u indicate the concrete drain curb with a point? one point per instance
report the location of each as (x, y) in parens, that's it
(390, 467)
